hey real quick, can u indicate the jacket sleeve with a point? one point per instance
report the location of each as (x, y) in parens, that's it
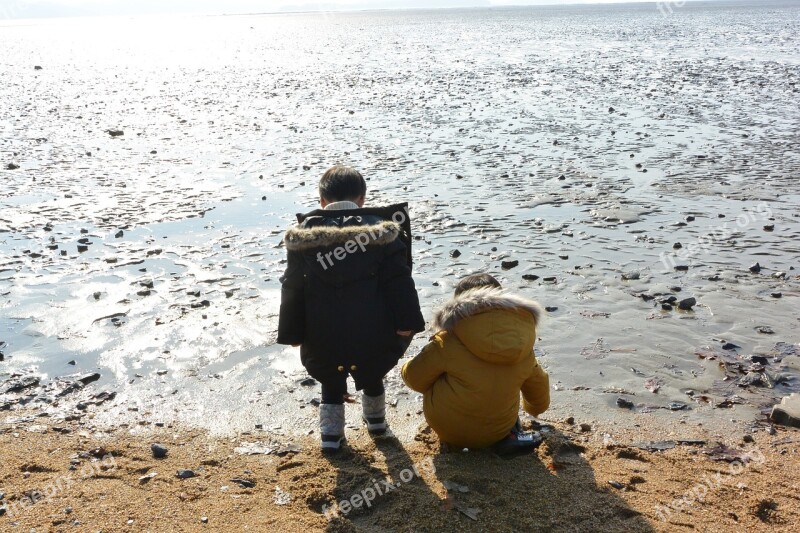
(536, 391)
(398, 286)
(292, 320)
(423, 370)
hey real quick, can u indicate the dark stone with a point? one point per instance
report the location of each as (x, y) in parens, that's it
(677, 406)
(82, 248)
(20, 384)
(37, 67)
(455, 254)
(244, 483)
(308, 382)
(185, 474)
(508, 265)
(12, 166)
(765, 330)
(115, 133)
(690, 218)
(624, 403)
(677, 246)
(759, 359)
(647, 297)
(159, 451)
(550, 279)
(730, 346)
(769, 227)
(611, 109)
(616, 484)
(682, 268)
(530, 277)
(666, 307)
(119, 234)
(551, 309)
(715, 277)
(755, 269)
(687, 304)
(89, 378)
(776, 295)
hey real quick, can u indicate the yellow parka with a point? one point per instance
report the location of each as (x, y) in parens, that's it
(472, 371)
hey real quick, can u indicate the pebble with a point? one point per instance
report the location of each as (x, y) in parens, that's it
(755, 269)
(765, 330)
(455, 254)
(630, 276)
(624, 403)
(585, 428)
(551, 309)
(185, 474)
(776, 295)
(682, 268)
(508, 265)
(616, 484)
(687, 304)
(12, 166)
(769, 227)
(677, 246)
(730, 346)
(159, 451)
(530, 277)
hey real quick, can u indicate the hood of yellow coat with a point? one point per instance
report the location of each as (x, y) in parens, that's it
(497, 327)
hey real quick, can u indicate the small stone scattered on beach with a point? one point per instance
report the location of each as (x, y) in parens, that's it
(687, 304)
(159, 451)
(455, 254)
(755, 269)
(508, 265)
(185, 474)
(624, 403)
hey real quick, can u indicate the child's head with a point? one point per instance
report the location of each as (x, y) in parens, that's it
(477, 281)
(341, 184)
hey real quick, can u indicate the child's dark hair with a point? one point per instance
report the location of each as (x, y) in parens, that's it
(342, 183)
(477, 281)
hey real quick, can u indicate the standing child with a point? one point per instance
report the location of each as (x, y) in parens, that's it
(474, 368)
(348, 300)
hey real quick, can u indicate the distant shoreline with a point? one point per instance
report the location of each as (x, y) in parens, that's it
(8, 14)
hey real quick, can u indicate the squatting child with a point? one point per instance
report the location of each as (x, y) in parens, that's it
(474, 368)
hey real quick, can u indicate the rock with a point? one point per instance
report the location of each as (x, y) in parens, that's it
(677, 406)
(12, 166)
(82, 248)
(769, 227)
(630, 276)
(185, 474)
(115, 133)
(204, 519)
(748, 439)
(677, 246)
(611, 109)
(781, 275)
(20, 384)
(666, 307)
(144, 479)
(119, 234)
(308, 382)
(37, 67)
(690, 218)
(787, 413)
(159, 451)
(682, 268)
(687, 304)
(244, 483)
(765, 330)
(624, 403)
(551, 309)
(616, 484)
(570, 420)
(755, 269)
(776, 295)
(563, 257)
(550, 279)
(455, 254)
(530, 277)
(89, 378)
(508, 265)
(585, 427)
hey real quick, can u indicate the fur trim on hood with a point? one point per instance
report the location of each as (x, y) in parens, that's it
(476, 301)
(301, 239)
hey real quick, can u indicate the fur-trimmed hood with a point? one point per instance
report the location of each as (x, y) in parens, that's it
(476, 301)
(495, 326)
(301, 238)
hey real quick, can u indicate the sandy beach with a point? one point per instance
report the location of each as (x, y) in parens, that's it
(633, 171)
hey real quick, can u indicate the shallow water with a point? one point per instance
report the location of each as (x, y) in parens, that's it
(514, 133)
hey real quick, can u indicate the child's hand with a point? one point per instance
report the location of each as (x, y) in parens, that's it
(405, 333)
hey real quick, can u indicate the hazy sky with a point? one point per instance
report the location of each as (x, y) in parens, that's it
(46, 8)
